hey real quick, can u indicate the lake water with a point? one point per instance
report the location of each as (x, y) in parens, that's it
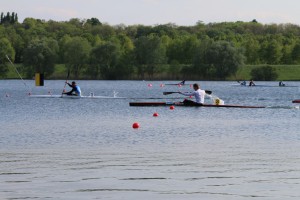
(68, 149)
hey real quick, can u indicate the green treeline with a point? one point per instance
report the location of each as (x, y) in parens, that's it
(89, 49)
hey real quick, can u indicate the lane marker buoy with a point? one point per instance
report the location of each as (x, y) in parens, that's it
(155, 114)
(135, 125)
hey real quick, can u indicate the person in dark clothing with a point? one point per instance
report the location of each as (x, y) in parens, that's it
(182, 82)
(281, 84)
(251, 83)
(75, 89)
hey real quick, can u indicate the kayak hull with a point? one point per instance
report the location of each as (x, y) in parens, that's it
(146, 104)
(94, 97)
(296, 101)
(74, 96)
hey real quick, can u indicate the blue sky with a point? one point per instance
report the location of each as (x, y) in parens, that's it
(153, 12)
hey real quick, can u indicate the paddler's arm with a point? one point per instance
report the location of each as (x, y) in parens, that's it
(69, 84)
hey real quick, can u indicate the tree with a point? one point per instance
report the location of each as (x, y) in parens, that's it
(94, 21)
(6, 49)
(16, 41)
(76, 54)
(125, 67)
(296, 53)
(219, 59)
(183, 49)
(252, 48)
(265, 73)
(104, 59)
(9, 18)
(271, 51)
(40, 56)
(175, 69)
(149, 53)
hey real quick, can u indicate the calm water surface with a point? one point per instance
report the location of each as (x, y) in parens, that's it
(54, 148)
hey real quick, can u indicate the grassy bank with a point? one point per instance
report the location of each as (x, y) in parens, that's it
(285, 72)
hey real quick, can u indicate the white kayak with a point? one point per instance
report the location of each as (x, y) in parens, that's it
(74, 97)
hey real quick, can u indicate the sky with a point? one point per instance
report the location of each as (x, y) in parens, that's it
(154, 12)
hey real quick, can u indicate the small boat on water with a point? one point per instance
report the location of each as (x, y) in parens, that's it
(243, 84)
(145, 104)
(296, 101)
(181, 83)
(176, 84)
(74, 96)
(286, 86)
(94, 97)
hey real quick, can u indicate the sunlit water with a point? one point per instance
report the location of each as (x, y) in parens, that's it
(53, 148)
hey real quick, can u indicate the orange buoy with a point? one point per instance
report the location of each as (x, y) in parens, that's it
(155, 114)
(135, 125)
(162, 85)
(172, 107)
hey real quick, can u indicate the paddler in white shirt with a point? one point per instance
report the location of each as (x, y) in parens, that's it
(197, 93)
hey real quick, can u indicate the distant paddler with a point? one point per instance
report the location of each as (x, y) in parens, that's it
(197, 93)
(182, 82)
(281, 84)
(251, 83)
(243, 83)
(75, 89)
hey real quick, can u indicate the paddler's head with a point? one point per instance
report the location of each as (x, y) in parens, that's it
(73, 83)
(196, 86)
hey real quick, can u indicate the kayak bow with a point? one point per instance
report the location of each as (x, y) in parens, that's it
(296, 101)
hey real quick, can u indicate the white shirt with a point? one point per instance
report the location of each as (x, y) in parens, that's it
(198, 94)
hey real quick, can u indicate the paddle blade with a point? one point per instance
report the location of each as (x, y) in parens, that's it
(167, 93)
(208, 91)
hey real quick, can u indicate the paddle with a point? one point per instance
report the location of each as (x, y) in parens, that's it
(66, 82)
(167, 93)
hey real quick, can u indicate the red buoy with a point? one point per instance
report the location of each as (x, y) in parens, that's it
(155, 114)
(135, 125)
(172, 107)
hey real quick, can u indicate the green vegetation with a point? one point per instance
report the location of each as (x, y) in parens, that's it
(265, 73)
(285, 72)
(90, 49)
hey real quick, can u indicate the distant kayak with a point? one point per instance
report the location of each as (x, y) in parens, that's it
(175, 84)
(239, 85)
(181, 83)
